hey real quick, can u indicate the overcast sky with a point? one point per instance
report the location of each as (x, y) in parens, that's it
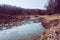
(32, 4)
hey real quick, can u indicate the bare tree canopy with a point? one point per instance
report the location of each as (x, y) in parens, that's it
(54, 6)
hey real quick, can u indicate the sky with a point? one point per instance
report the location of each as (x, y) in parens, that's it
(31, 4)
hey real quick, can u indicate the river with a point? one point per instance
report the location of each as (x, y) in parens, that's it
(27, 31)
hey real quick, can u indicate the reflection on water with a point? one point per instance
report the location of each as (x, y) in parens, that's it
(27, 31)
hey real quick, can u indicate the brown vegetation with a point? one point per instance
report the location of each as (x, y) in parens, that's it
(52, 33)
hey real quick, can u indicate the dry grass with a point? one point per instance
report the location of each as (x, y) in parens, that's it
(53, 32)
(46, 20)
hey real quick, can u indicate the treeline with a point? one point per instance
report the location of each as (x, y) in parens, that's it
(53, 6)
(13, 10)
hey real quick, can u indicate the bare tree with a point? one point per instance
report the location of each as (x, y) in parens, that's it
(53, 6)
